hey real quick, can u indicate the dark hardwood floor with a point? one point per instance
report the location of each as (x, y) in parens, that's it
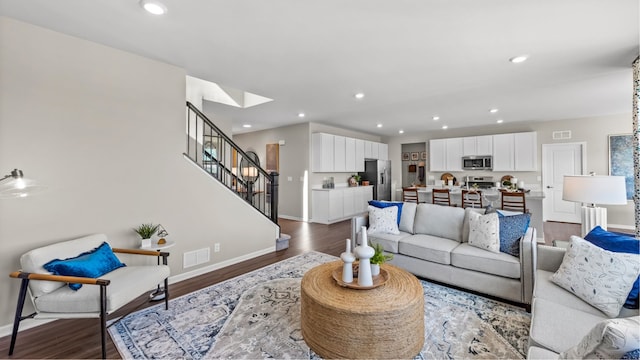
(80, 339)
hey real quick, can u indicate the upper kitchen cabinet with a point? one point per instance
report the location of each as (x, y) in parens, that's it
(335, 153)
(454, 149)
(477, 145)
(515, 152)
(438, 155)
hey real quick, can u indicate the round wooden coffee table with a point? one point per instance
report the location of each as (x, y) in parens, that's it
(385, 322)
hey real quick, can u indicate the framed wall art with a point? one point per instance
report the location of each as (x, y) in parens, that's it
(415, 156)
(621, 159)
(423, 155)
(405, 156)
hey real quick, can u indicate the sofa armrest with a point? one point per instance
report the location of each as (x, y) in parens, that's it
(357, 222)
(528, 254)
(549, 258)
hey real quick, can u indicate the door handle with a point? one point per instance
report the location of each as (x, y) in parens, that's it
(549, 187)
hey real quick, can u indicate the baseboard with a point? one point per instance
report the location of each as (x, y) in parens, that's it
(31, 323)
(296, 218)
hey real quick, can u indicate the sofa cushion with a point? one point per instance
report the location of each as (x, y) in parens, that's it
(600, 277)
(538, 353)
(558, 327)
(407, 218)
(609, 339)
(618, 243)
(440, 221)
(484, 232)
(389, 242)
(427, 247)
(383, 220)
(467, 256)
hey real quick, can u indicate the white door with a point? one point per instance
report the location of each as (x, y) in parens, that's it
(559, 160)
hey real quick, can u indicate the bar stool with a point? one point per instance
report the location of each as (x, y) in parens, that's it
(471, 198)
(441, 197)
(514, 201)
(410, 194)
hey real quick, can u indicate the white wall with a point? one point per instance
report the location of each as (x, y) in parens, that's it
(104, 130)
(594, 131)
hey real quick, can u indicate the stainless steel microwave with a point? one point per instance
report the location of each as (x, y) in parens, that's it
(484, 162)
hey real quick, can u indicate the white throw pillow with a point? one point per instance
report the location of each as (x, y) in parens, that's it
(601, 278)
(383, 221)
(484, 231)
(609, 339)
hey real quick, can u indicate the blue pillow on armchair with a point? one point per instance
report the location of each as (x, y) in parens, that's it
(618, 243)
(385, 204)
(91, 264)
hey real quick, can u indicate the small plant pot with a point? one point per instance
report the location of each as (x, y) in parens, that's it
(375, 269)
(146, 243)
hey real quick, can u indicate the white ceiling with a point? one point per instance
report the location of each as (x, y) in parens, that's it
(412, 58)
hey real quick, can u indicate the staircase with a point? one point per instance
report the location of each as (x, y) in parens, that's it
(213, 151)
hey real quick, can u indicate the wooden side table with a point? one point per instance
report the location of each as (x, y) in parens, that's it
(385, 322)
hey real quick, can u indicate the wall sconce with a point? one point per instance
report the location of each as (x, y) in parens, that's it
(15, 185)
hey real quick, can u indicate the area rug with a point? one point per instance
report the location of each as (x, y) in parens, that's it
(257, 316)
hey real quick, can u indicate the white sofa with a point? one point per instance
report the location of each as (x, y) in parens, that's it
(559, 319)
(432, 244)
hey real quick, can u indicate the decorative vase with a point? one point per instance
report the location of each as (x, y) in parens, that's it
(375, 269)
(347, 268)
(364, 252)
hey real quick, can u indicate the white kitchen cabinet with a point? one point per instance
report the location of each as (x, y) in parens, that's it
(350, 154)
(437, 155)
(375, 147)
(368, 145)
(359, 155)
(477, 145)
(383, 151)
(525, 151)
(503, 152)
(323, 152)
(339, 154)
(453, 154)
(333, 205)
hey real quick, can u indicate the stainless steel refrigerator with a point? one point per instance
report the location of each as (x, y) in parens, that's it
(378, 173)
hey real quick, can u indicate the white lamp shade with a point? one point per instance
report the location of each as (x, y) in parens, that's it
(603, 190)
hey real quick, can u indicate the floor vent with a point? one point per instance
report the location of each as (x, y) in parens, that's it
(562, 135)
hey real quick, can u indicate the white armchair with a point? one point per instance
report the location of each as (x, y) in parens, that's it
(97, 298)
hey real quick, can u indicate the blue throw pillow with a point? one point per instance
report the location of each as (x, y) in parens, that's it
(512, 228)
(633, 354)
(92, 264)
(618, 243)
(384, 204)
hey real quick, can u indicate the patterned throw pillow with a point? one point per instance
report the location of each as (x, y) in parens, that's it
(381, 204)
(609, 339)
(383, 221)
(484, 231)
(601, 278)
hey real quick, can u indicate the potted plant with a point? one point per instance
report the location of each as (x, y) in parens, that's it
(354, 180)
(146, 231)
(378, 258)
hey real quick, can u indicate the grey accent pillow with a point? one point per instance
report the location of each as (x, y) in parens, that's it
(484, 231)
(609, 339)
(407, 217)
(601, 278)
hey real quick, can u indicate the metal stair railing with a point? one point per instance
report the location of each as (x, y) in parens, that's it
(212, 150)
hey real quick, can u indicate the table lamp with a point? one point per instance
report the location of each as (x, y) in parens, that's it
(591, 190)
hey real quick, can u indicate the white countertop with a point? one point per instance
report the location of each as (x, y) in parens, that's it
(315, 188)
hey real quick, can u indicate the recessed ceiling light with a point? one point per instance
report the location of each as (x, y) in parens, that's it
(445, 127)
(153, 7)
(379, 125)
(400, 131)
(301, 115)
(499, 121)
(436, 118)
(519, 59)
(493, 111)
(359, 95)
(246, 125)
